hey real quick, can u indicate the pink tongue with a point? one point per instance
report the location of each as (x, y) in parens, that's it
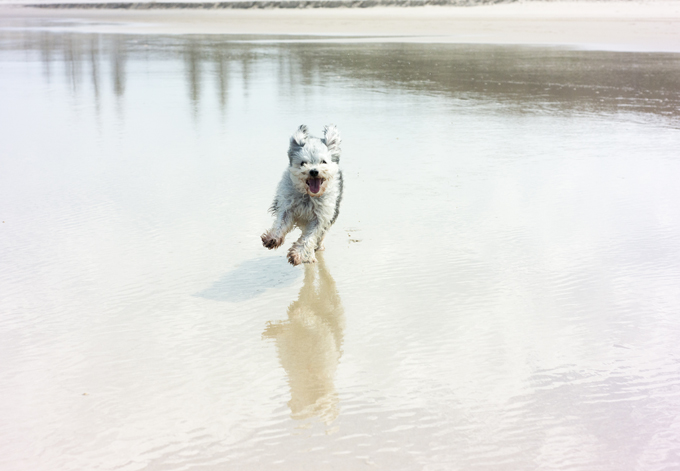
(314, 185)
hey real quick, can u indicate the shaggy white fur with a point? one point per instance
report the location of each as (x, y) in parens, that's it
(308, 195)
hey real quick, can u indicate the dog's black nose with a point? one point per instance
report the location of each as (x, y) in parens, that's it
(313, 173)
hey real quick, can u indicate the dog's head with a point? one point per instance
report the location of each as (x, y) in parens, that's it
(314, 162)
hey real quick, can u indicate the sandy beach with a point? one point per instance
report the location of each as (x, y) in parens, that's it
(624, 26)
(500, 290)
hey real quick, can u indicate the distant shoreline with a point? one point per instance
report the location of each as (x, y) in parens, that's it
(637, 26)
(260, 4)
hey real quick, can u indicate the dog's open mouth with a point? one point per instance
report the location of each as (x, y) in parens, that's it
(314, 184)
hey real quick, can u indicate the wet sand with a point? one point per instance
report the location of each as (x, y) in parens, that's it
(629, 26)
(500, 290)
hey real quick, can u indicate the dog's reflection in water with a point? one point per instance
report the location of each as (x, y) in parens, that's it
(309, 344)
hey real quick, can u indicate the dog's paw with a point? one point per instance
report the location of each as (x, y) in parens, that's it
(296, 258)
(271, 242)
(310, 258)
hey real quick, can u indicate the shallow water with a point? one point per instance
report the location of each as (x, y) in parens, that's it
(501, 289)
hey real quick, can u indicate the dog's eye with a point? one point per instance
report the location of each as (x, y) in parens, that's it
(323, 161)
(302, 163)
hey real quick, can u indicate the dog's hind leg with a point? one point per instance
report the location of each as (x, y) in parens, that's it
(303, 249)
(275, 236)
(319, 244)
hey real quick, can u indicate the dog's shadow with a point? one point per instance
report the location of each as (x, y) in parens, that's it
(250, 279)
(309, 344)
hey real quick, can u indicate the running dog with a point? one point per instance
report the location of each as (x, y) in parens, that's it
(308, 195)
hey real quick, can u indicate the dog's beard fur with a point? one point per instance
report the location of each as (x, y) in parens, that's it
(306, 184)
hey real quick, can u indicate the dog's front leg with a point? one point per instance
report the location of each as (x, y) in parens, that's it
(303, 249)
(274, 237)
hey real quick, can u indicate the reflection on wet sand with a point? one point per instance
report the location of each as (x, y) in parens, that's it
(309, 344)
(523, 78)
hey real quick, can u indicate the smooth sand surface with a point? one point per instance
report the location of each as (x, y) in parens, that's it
(626, 26)
(499, 292)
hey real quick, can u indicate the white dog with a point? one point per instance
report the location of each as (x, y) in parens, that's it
(308, 195)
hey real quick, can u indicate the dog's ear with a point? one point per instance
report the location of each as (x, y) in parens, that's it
(331, 137)
(297, 141)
